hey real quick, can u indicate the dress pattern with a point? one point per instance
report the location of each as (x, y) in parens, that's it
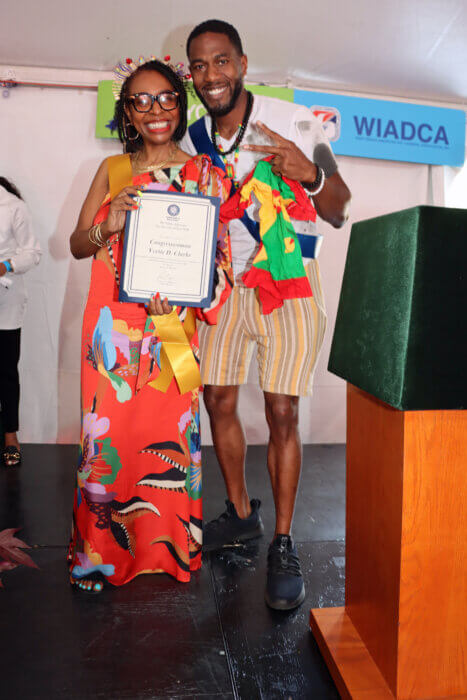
(137, 503)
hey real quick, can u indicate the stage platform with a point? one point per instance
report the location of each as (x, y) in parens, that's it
(155, 638)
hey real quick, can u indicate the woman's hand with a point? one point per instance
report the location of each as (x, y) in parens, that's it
(158, 307)
(122, 203)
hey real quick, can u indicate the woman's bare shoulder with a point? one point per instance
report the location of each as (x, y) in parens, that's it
(101, 177)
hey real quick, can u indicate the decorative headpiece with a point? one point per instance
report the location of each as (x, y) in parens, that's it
(123, 70)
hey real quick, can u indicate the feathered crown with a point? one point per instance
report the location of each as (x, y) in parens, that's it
(123, 70)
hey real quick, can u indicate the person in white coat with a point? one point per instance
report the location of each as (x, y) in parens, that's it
(19, 252)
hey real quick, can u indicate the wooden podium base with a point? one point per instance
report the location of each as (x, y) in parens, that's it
(353, 670)
(403, 632)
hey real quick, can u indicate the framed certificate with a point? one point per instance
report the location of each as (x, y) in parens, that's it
(170, 248)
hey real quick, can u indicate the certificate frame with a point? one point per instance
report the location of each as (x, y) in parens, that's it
(131, 288)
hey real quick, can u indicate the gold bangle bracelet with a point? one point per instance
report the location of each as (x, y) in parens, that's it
(95, 236)
(99, 236)
(91, 236)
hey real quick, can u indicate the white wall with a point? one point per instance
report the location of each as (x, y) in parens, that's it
(49, 150)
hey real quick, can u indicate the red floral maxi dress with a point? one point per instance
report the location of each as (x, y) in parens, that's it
(137, 506)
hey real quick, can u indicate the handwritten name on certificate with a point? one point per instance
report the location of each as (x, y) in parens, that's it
(170, 248)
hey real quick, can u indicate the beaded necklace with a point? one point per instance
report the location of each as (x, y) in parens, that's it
(229, 165)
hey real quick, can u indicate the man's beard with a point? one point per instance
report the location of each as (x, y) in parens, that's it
(223, 110)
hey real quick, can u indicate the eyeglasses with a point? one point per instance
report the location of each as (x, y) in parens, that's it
(143, 101)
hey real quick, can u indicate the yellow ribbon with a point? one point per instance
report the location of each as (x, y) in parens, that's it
(177, 359)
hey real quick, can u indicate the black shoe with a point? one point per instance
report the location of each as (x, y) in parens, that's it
(228, 528)
(285, 589)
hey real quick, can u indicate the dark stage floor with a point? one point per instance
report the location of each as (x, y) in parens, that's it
(155, 638)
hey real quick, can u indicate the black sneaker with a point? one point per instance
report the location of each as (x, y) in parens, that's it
(228, 528)
(285, 589)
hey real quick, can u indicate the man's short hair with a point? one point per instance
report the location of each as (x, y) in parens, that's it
(217, 26)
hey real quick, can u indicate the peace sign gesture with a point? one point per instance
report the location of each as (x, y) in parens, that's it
(289, 161)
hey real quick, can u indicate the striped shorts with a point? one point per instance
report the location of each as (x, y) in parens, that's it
(287, 341)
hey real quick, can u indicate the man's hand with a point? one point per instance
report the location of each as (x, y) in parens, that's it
(289, 161)
(332, 203)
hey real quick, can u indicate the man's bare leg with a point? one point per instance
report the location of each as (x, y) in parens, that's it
(241, 521)
(284, 456)
(229, 443)
(285, 589)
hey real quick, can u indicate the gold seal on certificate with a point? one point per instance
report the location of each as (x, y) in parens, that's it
(170, 248)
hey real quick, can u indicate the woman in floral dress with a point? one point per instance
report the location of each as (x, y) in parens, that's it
(137, 506)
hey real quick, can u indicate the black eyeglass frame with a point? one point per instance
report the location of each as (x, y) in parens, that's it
(154, 98)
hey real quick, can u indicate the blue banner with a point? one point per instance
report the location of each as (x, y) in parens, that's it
(370, 128)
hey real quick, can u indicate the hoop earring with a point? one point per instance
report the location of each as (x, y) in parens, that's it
(125, 132)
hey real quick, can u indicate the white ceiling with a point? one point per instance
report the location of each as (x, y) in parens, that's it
(410, 48)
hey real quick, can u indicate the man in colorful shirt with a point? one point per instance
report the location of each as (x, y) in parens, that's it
(288, 339)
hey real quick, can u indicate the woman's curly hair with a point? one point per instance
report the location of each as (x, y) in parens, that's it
(123, 123)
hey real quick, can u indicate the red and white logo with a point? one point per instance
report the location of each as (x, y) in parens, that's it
(330, 119)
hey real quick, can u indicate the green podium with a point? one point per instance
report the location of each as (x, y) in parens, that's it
(400, 343)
